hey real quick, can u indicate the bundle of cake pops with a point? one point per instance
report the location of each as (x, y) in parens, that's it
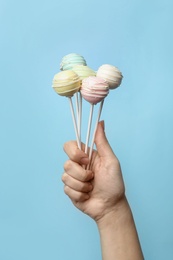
(77, 80)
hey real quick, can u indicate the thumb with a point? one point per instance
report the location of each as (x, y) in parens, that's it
(102, 145)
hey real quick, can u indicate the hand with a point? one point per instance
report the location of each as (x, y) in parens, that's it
(98, 191)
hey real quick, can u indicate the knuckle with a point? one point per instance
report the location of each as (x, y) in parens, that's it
(86, 187)
(70, 148)
(84, 176)
(80, 196)
(66, 189)
(83, 197)
(89, 175)
(83, 187)
(65, 146)
(64, 177)
(67, 165)
(74, 155)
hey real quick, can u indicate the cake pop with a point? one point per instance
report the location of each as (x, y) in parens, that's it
(83, 71)
(67, 83)
(93, 90)
(70, 60)
(111, 74)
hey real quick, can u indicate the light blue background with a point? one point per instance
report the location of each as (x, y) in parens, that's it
(37, 221)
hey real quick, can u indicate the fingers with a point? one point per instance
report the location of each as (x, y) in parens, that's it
(103, 147)
(76, 171)
(77, 181)
(75, 184)
(75, 154)
(76, 196)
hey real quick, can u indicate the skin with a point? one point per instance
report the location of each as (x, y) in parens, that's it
(100, 193)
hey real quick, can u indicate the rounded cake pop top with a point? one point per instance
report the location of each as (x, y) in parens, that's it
(111, 74)
(66, 83)
(83, 71)
(70, 60)
(94, 89)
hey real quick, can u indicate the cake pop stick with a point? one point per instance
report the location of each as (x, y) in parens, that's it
(96, 124)
(89, 128)
(77, 109)
(77, 103)
(74, 123)
(80, 115)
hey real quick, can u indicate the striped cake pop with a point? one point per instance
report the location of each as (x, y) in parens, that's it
(93, 90)
(67, 83)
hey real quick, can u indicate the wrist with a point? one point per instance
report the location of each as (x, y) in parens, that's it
(118, 235)
(121, 211)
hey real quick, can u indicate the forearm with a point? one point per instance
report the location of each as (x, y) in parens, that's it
(119, 239)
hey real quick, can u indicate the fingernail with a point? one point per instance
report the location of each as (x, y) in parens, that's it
(103, 125)
(84, 160)
(90, 187)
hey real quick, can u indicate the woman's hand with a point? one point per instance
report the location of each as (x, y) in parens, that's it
(99, 190)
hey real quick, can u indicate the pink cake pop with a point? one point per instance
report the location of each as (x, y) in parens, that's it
(93, 90)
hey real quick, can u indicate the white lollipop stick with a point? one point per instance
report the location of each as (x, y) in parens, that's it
(89, 128)
(77, 107)
(92, 143)
(80, 116)
(74, 122)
